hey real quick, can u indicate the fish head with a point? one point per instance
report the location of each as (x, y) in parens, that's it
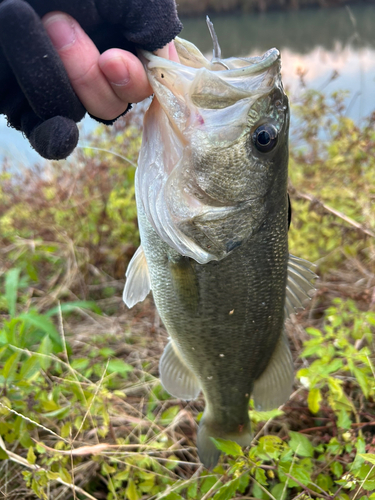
(220, 149)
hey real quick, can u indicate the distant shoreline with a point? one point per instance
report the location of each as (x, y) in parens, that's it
(195, 7)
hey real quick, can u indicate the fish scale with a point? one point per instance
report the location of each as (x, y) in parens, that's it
(243, 282)
(211, 191)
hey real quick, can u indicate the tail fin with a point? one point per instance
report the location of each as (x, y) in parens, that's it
(207, 451)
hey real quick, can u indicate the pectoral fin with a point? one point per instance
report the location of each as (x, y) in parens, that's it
(176, 377)
(300, 282)
(138, 283)
(274, 386)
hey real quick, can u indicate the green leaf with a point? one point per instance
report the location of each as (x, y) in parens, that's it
(270, 447)
(260, 476)
(334, 366)
(344, 421)
(172, 496)
(278, 491)
(207, 484)
(313, 400)
(46, 348)
(73, 306)
(369, 457)
(192, 490)
(337, 469)
(146, 486)
(314, 332)
(169, 414)
(11, 366)
(362, 380)
(79, 364)
(11, 289)
(324, 481)
(44, 324)
(227, 447)
(3, 454)
(300, 474)
(31, 458)
(29, 368)
(300, 444)
(263, 416)
(131, 491)
(244, 482)
(119, 366)
(58, 413)
(361, 449)
(227, 491)
(65, 476)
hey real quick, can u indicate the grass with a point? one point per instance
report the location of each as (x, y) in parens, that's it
(82, 411)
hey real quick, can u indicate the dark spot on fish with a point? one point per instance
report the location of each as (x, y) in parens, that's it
(231, 245)
(162, 75)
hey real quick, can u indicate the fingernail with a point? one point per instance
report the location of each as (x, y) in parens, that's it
(60, 29)
(116, 71)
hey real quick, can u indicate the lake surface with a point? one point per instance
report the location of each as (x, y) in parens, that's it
(315, 41)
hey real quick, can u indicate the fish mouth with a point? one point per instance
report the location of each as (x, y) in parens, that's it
(231, 67)
(234, 67)
(215, 84)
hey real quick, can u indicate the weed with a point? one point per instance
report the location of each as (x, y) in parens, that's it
(82, 412)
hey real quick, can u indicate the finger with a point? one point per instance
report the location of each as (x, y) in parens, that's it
(168, 52)
(126, 75)
(132, 83)
(173, 56)
(80, 57)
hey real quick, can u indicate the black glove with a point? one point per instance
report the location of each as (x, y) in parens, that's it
(35, 93)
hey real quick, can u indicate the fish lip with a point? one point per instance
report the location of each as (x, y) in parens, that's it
(256, 64)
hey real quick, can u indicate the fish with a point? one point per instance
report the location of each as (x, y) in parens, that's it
(212, 202)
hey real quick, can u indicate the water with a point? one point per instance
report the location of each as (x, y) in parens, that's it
(315, 41)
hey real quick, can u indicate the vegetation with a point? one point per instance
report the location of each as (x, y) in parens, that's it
(82, 412)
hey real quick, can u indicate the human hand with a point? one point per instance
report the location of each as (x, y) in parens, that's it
(36, 86)
(105, 83)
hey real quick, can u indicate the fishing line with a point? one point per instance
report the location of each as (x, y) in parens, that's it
(110, 152)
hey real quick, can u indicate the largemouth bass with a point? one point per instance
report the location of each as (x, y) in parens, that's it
(211, 190)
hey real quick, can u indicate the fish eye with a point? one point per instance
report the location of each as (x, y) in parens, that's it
(265, 138)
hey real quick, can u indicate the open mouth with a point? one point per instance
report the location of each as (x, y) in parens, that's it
(219, 82)
(244, 75)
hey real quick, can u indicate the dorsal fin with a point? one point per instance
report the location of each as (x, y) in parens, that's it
(300, 283)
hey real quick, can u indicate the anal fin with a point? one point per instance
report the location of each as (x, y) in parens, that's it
(138, 283)
(274, 386)
(175, 376)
